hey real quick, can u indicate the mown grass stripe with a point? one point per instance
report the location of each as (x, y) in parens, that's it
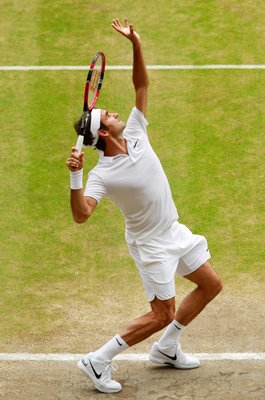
(129, 67)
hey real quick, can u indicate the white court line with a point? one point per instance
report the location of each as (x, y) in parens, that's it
(128, 67)
(131, 357)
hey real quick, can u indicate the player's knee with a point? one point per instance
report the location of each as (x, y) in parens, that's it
(214, 288)
(219, 286)
(165, 317)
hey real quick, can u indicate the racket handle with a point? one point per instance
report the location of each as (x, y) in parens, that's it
(79, 143)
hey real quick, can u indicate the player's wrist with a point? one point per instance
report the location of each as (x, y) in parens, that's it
(136, 42)
(76, 179)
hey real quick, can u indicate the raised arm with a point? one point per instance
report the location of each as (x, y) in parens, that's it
(140, 76)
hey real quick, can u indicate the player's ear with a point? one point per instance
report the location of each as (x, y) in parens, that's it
(103, 133)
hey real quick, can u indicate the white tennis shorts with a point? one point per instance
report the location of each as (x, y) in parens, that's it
(175, 251)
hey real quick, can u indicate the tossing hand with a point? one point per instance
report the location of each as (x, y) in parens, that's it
(126, 30)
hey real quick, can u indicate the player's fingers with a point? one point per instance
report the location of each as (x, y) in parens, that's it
(115, 26)
(74, 153)
(126, 21)
(116, 22)
(70, 160)
(74, 158)
(73, 164)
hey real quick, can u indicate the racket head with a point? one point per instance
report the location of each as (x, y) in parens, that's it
(94, 81)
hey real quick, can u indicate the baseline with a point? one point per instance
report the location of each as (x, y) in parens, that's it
(130, 357)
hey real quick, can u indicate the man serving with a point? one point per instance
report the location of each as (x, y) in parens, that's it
(130, 174)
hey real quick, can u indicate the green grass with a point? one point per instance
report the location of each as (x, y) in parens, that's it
(187, 31)
(209, 136)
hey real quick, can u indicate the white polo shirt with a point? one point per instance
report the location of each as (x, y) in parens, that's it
(136, 183)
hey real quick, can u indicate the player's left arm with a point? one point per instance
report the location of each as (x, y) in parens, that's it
(140, 76)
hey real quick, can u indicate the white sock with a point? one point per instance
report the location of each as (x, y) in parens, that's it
(172, 334)
(111, 349)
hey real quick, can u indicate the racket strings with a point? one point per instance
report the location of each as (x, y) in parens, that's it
(94, 83)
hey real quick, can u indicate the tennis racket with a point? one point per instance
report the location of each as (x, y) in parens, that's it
(92, 90)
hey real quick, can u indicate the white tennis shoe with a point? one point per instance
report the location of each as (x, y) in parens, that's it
(99, 373)
(172, 356)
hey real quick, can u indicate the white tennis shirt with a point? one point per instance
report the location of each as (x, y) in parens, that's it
(136, 183)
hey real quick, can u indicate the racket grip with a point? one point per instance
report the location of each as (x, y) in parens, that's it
(79, 143)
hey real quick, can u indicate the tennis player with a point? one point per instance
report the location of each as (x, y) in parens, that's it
(130, 174)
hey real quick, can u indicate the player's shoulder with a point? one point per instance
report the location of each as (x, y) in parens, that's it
(136, 124)
(102, 169)
(98, 171)
(136, 113)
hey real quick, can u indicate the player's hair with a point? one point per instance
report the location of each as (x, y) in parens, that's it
(88, 137)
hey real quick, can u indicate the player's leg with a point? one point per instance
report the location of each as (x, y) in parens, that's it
(97, 365)
(162, 314)
(169, 353)
(208, 286)
(194, 266)
(168, 350)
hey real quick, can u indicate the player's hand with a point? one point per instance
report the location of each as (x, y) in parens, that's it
(75, 161)
(126, 30)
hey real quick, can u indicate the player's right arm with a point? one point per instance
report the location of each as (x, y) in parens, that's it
(82, 207)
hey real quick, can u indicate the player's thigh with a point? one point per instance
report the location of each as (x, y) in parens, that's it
(157, 269)
(206, 277)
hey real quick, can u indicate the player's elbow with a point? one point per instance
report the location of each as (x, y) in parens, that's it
(80, 218)
(79, 221)
(141, 86)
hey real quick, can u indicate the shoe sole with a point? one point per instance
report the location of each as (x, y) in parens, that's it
(85, 371)
(175, 365)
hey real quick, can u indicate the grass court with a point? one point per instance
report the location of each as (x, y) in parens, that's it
(207, 127)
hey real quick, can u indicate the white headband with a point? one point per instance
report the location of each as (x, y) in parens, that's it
(95, 125)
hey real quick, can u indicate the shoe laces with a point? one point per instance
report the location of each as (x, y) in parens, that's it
(110, 366)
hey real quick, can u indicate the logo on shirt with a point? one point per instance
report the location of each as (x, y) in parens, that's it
(135, 144)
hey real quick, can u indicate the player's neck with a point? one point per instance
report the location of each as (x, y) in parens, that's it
(115, 147)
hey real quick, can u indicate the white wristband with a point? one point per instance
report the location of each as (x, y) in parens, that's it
(76, 179)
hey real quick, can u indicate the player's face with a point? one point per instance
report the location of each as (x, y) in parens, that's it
(112, 122)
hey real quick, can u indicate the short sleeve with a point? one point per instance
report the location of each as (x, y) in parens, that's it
(136, 125)
(95, 187)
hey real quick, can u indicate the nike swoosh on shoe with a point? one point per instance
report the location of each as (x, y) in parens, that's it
(166, 355)
(98, 376)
